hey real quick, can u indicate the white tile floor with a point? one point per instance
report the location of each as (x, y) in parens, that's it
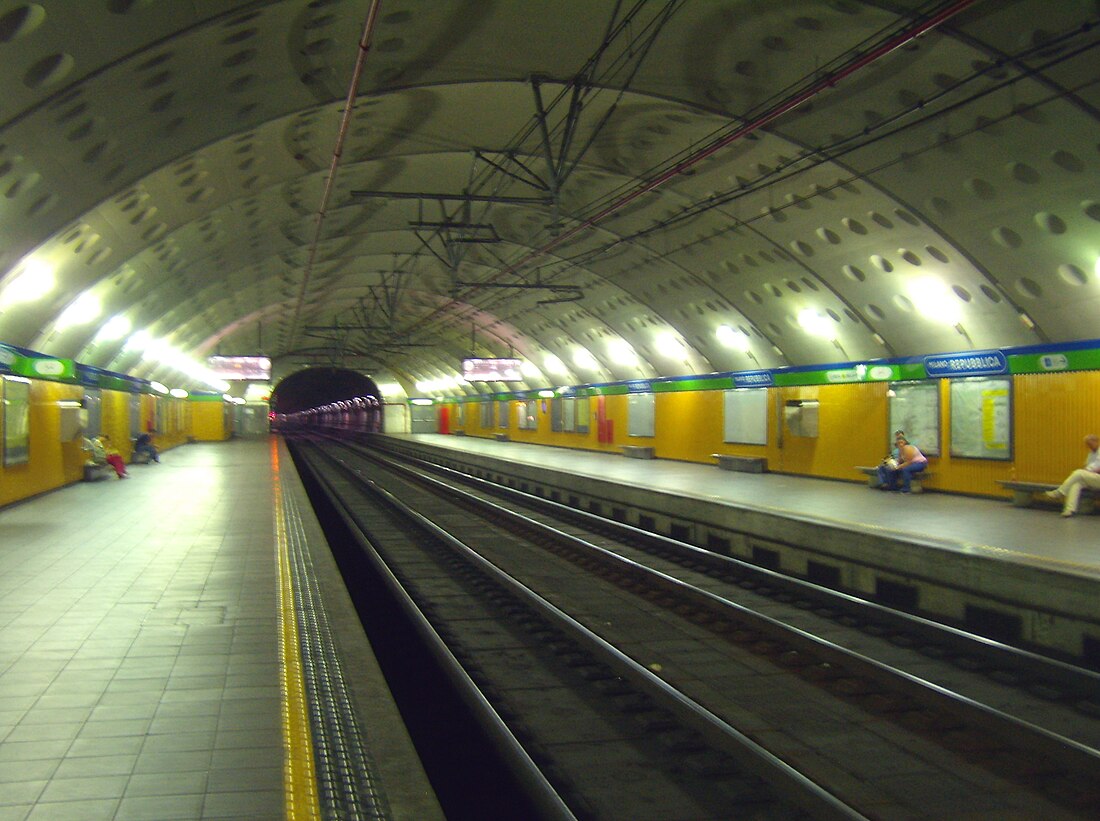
(138, 663)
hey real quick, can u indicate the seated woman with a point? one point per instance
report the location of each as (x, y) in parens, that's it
(112, 456)
(910, 461)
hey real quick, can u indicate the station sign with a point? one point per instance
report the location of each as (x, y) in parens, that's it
(974, 363)
(753, 379)
(43, 367)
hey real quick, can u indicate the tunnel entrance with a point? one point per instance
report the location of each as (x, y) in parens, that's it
(348, 398)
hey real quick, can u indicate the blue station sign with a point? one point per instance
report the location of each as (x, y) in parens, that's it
(753, 379)
(974, 363)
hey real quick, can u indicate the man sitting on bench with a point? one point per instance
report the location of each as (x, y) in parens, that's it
(1088, 476)
(143, 446)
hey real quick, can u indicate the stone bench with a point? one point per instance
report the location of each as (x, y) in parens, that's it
(741, 464)
(94, 471)
(639, 452)
(916, 483)
(1024, 494)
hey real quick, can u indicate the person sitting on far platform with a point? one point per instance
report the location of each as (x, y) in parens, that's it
(910, 460)
(144, 444)
(1088, 476)
(112, 456)
(890, 462)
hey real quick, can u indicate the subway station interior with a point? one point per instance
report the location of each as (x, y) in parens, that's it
(328, 282)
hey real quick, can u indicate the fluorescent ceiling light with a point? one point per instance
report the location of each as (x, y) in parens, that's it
(36, 281)
(732, 337)
(583, 358)
(555, 365)
(934, 300)
(814, 323)
(622, 353)
(138, 341)
(81, 311)
(114, 328)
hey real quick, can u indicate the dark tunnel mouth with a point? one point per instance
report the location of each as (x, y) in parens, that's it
(314, 387)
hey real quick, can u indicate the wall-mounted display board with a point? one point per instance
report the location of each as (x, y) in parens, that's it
(641, 410)
(981, 418)
(745, 416)
(502, 414)
(568, 413)
(914, 407)
(16, 421)
(487, 415)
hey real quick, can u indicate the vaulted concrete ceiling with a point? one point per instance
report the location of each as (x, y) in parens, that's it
(164, 166)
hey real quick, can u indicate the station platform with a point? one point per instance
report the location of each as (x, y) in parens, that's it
(1021, 574)
(152, 634)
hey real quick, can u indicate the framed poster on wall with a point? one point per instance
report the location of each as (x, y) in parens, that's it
(914, 407)
(981, 418)
(745, 416)
(642, 420)
(16, 420)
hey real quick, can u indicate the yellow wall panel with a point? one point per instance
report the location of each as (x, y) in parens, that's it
(1053, 415)
(52, 462)
(207, 421)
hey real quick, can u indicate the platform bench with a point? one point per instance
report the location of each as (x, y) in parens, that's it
(639, 452)
(92, 471)
(741, 464)
(501, 437)
(1024, 494)
(916, 483)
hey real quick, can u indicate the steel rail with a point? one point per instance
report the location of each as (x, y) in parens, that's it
(789, 782)
(527, 773)
(1085, 682)
(1071, 753)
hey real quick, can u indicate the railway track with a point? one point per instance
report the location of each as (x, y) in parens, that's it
(718, 690)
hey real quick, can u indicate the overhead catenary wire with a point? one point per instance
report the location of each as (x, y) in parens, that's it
(816, 84)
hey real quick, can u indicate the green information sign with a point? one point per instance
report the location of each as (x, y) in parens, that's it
(44, 368)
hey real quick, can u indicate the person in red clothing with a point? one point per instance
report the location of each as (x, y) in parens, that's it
(112, 456)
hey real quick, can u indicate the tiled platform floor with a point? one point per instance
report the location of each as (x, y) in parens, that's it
(139, 663)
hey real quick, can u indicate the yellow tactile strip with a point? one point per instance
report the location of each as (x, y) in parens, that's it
(299, 778)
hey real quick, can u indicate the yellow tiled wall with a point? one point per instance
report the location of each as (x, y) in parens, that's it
(1051, 415)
